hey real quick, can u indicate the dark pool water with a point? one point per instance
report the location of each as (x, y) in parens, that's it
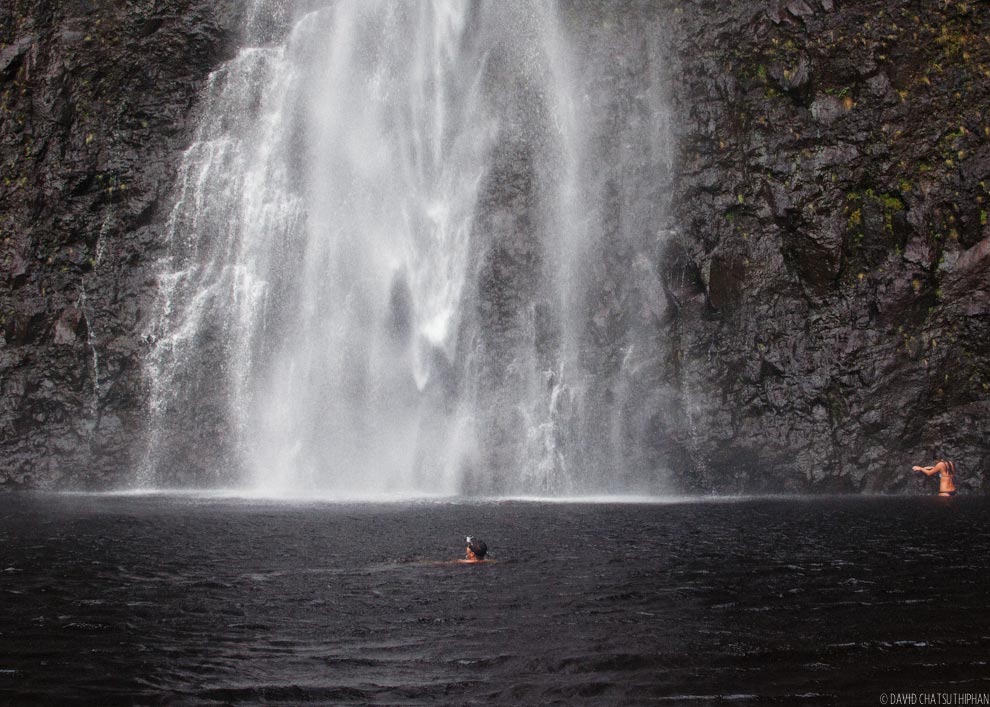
(184, 600)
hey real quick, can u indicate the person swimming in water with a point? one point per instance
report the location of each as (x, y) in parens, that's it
(946, 471)
(475, 551)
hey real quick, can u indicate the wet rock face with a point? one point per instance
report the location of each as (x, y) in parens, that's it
(813, 311)
(829, 268)
(95, 105)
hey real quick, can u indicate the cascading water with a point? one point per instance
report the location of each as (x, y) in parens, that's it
(413, 252)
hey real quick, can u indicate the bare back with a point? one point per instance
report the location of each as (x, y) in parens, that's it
(946, 471)
(946, 482)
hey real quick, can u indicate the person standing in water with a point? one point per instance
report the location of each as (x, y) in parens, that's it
(946, 471)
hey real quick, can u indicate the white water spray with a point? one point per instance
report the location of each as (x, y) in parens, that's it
(377, 274)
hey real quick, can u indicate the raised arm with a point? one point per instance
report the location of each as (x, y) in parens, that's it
(926, 470)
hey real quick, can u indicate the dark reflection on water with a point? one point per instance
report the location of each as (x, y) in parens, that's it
(172, 600)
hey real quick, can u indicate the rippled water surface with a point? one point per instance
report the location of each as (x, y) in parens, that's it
(186, 600)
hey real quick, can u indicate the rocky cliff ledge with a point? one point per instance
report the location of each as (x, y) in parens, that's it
(829, 269)
(826, 266)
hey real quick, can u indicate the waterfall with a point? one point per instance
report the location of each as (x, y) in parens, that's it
(412, 252)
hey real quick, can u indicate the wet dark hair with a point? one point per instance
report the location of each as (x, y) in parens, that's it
(478, 547)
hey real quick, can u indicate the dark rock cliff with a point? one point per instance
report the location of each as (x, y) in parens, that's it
(817, 300)
(829, 271)
(96, 101)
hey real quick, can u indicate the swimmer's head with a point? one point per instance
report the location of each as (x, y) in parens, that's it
(477, 547)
